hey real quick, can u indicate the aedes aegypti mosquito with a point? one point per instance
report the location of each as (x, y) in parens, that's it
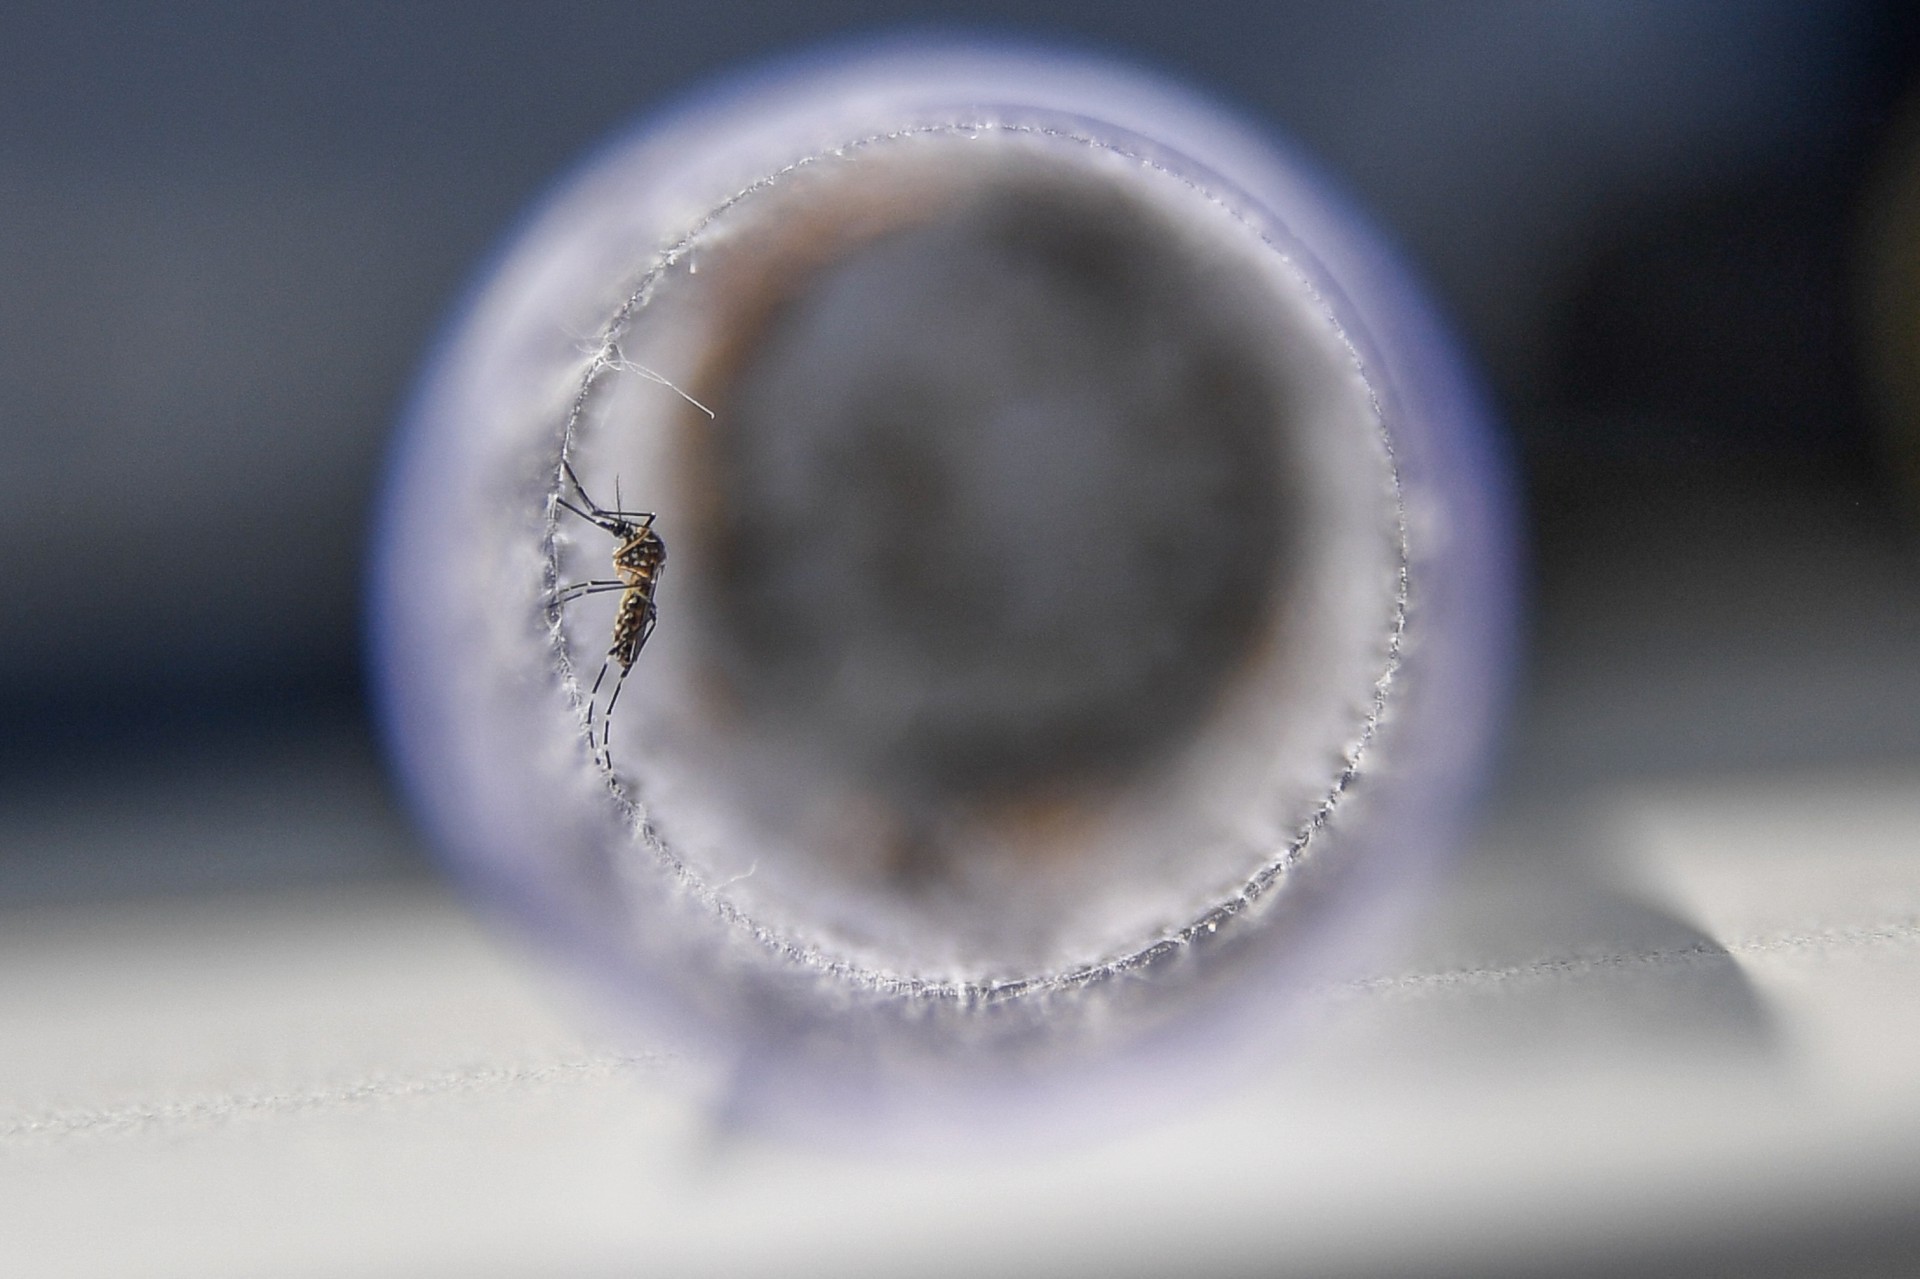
(637, 560)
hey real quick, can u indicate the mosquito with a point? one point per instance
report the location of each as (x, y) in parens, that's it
(637, 560)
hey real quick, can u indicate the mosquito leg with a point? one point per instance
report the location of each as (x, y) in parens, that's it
(567, 594)
(614, 522)
(593, 696)
(594, 512)
(606, 718)
(590, 515)
(566, 465)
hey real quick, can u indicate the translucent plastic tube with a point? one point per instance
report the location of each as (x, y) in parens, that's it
(1086, 593)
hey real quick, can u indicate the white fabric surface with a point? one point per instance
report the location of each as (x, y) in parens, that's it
(1670, 1020)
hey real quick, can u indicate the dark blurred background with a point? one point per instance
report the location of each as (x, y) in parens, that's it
(229, 231)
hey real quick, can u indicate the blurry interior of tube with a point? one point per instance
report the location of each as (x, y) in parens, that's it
(1034, 578)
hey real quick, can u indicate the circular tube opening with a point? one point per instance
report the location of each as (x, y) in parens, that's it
(1084, 576)
(1029, 471)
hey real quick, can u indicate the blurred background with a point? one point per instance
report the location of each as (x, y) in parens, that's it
(1670, 233)
(228, 232)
